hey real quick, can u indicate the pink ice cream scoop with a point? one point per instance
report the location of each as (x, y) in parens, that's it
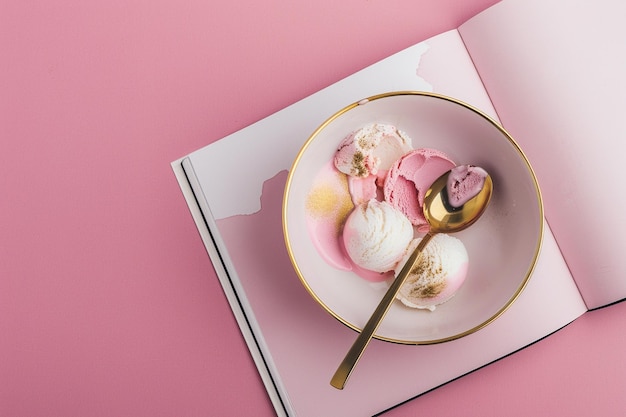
(464, 183)
(410, 177)
(362, 189)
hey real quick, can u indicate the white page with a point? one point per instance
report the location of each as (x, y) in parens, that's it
(301, 342)
(555, 71)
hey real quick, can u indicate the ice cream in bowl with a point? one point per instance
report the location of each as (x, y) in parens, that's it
(353, 214)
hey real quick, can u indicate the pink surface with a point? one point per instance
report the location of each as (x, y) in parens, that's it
(108, 302)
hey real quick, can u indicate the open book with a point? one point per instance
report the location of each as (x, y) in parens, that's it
(552, 73)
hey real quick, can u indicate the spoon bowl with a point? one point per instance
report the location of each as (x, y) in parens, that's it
(444, 219)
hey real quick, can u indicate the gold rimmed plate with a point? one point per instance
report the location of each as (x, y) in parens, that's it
(503, 245)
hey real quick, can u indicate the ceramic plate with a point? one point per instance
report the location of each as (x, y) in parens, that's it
(503, 245)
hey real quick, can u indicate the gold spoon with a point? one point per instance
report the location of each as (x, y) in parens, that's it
(442, 217)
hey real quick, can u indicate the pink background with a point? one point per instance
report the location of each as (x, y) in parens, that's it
(109, 305)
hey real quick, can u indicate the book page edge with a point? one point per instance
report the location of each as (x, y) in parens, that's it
(245, 323)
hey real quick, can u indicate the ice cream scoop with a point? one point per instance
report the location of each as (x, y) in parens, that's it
(441, 218)
(376, 235)
(410, 177)
(464, 182)
(436, 277)
(371, 148)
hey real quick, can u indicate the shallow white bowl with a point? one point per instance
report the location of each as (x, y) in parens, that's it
(503, 245)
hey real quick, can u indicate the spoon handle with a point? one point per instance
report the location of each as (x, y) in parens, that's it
(358, 347)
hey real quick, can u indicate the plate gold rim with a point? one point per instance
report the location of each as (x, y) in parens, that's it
(516, 146)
